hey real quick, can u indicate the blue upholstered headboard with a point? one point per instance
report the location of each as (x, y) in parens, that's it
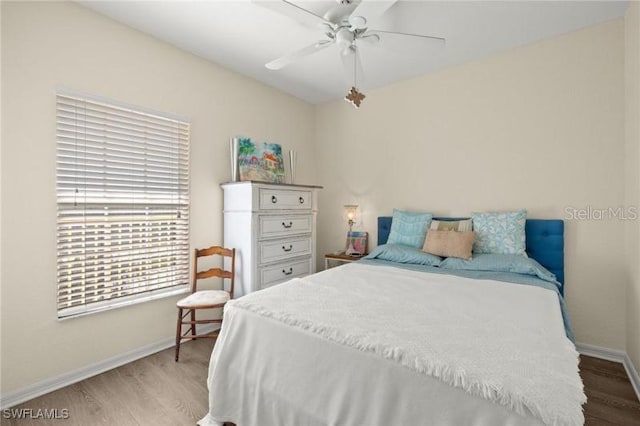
(545, 242)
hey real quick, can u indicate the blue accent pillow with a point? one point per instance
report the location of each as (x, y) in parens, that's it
(500, 233)
(500, 263)
(404, 254)
(409, 229)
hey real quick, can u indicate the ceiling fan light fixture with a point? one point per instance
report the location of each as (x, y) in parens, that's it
(344, 39)
(357, 22)
(348, 50)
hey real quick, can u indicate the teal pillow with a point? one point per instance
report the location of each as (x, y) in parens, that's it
(404, 254)
(500, 233)
(500, 263)
(409, 229)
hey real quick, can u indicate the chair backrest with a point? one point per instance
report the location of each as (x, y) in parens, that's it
(214, 272)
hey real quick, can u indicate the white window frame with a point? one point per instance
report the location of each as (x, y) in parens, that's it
(122, 192)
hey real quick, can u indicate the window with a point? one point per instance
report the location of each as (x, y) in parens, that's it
(122, 186)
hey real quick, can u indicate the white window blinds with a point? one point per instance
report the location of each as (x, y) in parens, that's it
(123, 204)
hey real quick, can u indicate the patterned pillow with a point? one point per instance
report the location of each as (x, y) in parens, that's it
(500, 263)
(409, 229)
(500, 233)
(464, 225)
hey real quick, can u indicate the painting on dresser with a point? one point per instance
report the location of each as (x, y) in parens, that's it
(260, 162)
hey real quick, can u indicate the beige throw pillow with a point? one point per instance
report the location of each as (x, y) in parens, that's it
(449, 243)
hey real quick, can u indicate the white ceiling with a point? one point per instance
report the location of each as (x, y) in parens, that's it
(243, 36)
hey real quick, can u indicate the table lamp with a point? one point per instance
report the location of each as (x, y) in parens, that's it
(350, 213)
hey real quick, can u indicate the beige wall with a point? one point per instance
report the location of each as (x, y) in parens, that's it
(539, 127)
(632, 157)
(50, 45)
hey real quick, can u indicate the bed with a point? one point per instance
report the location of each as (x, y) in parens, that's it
(377, 342)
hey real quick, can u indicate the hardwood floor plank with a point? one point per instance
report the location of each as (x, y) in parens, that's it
(103, 399)
(54, 400)
(125, 394)
(610, 408)
(610, 384)
(163, 392)
(604, 366)
(138, 393)
(594, 421)
(158, 391)
(180, 395)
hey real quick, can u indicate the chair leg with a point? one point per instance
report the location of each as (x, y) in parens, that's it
(193, 324)
(178, 333)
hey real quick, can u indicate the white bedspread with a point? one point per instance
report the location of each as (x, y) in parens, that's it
(496, 343)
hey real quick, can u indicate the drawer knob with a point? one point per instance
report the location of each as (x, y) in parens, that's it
(274, 199)
(301, 199)
(284, 225)
(289, 272)
(287, 249)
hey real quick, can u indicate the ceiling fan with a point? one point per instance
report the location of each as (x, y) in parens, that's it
(346, 26)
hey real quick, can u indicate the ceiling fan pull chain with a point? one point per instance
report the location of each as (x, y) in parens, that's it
(355, 64)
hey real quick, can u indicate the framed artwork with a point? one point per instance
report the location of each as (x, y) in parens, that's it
(356, 243)
(260, 162)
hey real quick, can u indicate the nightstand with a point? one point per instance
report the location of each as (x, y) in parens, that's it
(340, 258)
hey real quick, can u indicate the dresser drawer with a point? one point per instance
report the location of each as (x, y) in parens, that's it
(282, 226)
(271, 251)
(275, 274)
(285, 199)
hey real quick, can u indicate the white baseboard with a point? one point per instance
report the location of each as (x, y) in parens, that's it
(37, 389)
(632, 372)
(615, 356)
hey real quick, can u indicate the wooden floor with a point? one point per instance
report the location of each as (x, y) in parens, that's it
(154, 390)
(158, 391)
(611, 399)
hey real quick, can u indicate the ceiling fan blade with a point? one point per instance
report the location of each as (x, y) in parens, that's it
(404, 42)
(298, 54)
(368, 9)
(350, 58)
(437, 39)
(293, 11)
(337, 13)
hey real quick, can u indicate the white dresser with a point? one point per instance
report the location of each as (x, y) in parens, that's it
(273, 228)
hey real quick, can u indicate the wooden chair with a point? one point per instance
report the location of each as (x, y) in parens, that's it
(204, 299)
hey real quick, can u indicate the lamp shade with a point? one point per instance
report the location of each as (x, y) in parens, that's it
(351, 213)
